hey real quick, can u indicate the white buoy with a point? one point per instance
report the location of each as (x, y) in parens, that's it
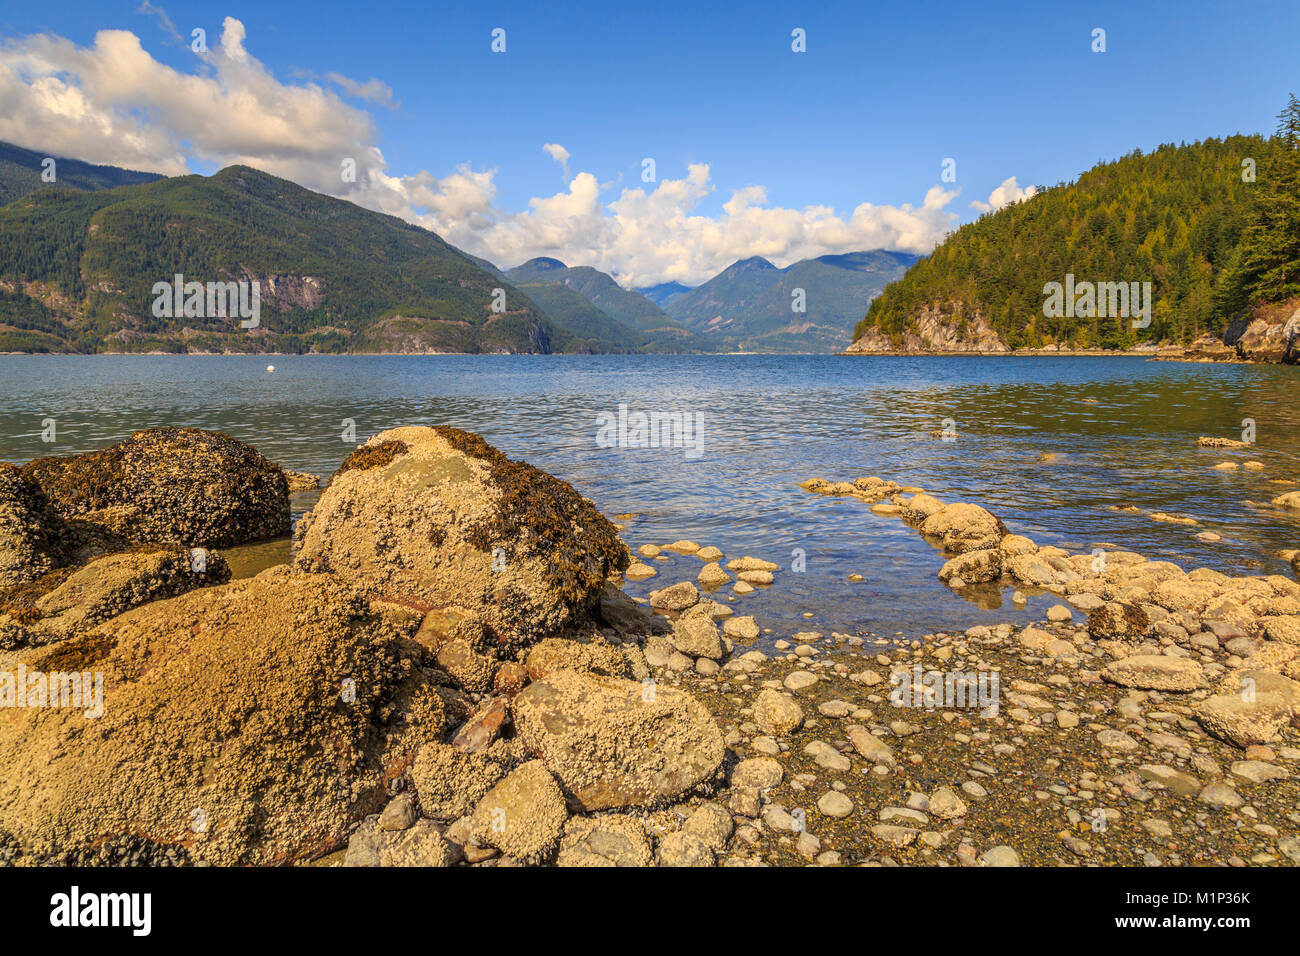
(270, 368)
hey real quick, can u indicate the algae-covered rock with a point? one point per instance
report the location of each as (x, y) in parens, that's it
(436, 517)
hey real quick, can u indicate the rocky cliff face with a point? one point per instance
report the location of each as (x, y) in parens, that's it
(947, 327)
(1270, 333)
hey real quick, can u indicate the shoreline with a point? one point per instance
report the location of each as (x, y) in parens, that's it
(1111, 730)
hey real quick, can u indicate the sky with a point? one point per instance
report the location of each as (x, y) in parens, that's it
(894, 124)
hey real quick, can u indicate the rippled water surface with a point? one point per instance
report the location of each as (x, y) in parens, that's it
(1122, 430)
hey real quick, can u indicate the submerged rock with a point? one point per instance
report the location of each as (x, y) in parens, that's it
(436, 518)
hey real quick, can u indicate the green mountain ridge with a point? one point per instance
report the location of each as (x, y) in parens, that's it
(1213, 242)
(21, 174)
(627, 308)
(77, 271)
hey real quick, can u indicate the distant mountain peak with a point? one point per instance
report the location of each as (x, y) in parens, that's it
(543, 264)
(753, 263)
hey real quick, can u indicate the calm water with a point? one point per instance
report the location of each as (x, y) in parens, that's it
(1124, 430)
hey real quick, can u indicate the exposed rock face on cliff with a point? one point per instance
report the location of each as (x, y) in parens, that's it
(1269, 334)
(181, 486)
(941, 327)
(437, 519)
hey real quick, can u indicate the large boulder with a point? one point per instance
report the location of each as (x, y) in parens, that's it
(181, 486)
(249, 723)
(437, 518)
(964, 527)
(618, 743)
(30, 530)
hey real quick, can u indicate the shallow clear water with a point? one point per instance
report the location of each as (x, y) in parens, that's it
(1124, 430)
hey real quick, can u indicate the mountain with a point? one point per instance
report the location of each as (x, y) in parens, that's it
(1214, 227)
(664, 292)
(21, 171)
(572, 311)
(751, 305)
(628, 308)
(78, 270)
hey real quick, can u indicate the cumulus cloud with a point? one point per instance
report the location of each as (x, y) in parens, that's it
(112, 102)
(1005, 195)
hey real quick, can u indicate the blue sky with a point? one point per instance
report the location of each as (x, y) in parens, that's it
(883, 94)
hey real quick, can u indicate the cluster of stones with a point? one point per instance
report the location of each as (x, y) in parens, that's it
(1096, 749)
(1128, 598)
(447, 673)
(751, 573)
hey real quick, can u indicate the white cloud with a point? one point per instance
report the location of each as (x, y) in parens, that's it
(1005, 195)
(372, 90)
(560, 155)
(112, 102)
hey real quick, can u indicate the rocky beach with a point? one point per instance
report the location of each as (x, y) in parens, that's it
(452, 669)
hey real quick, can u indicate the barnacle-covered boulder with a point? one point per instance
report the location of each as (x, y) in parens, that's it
(182, 486)
(438, 519)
